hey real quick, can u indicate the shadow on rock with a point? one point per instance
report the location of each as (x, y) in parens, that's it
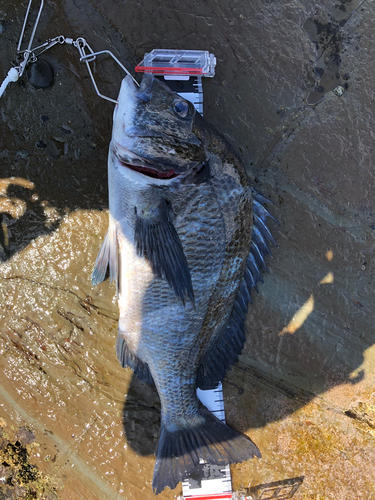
(23, 216)
(270, 398)
(29, 210)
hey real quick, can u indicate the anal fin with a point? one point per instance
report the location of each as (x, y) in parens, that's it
(128, 358)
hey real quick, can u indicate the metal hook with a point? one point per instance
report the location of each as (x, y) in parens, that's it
(92, 56)
(47, 45)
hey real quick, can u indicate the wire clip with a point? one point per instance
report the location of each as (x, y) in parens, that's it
(30, 55)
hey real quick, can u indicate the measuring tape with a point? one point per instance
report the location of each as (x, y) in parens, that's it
(182, 71)
(190, 88)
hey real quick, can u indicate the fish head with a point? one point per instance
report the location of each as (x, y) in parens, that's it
(153, 130)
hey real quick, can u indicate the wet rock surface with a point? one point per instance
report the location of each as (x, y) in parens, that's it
(303, 388)
(18, 477)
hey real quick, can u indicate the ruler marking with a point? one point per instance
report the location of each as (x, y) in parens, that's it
(210, 488)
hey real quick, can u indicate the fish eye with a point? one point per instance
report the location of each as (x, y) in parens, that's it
(182, 108)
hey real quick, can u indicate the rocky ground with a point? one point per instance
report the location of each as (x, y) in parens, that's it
(294, 93)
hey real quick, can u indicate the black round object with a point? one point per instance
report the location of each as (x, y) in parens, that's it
(40, 74)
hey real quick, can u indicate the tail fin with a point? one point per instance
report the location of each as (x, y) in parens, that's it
(179, 452)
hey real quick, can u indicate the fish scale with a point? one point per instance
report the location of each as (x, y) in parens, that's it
(180, 248)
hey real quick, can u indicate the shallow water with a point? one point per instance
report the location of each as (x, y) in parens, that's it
(303, 388)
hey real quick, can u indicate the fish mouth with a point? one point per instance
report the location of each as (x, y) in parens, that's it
(149, 171)
(142, 166)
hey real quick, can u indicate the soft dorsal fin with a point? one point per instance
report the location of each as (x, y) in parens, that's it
(230, 344)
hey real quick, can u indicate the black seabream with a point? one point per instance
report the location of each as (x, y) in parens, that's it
(186, 244)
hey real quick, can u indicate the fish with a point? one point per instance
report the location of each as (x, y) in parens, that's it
(186, 244)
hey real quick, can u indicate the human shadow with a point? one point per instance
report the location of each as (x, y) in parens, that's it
(23, 216)
(56, 139)
(27, 211)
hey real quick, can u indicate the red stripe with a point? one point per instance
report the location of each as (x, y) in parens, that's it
(218, 496)
(169, 71)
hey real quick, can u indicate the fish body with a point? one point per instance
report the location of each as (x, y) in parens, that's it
(180, 249)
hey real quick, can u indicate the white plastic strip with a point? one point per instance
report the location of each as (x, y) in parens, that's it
(209, 482)
(12, 76)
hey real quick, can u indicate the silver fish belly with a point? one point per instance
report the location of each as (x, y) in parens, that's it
(183, 251)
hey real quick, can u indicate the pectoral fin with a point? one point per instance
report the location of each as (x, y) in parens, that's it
(108, 255)
(157, 240)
